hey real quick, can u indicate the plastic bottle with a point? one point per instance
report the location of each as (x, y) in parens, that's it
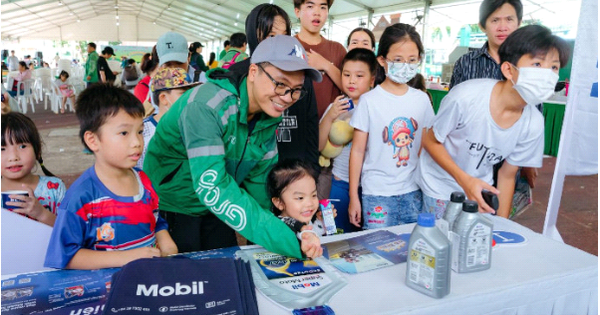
(471, 240)
(428, 265)
(454, 208)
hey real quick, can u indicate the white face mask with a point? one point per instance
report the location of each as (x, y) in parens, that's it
(401, 72)
(535, 85)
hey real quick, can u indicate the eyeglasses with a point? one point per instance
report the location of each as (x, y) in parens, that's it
(412, 61)
(282, 90)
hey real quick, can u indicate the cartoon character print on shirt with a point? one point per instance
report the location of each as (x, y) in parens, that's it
(400, 134)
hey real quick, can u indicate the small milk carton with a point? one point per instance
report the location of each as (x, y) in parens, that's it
(328, 219)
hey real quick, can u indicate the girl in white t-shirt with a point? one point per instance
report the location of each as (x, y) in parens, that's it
(388, 125)
(358, 76)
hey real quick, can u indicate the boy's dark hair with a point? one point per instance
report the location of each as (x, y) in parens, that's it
(237, 40)
(298, 3)
(147, 64)
(284, 173)
(226, 43)
(534, 40)
(23, 64)
(65, 73)
(130, 61)
(101, 101)
(108, 50)
(92, 44)
(18, 128)
(488, 7)
(364, 55)
(362, 29)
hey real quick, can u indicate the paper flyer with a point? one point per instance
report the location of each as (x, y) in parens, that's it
(290, 273)
(368, 252)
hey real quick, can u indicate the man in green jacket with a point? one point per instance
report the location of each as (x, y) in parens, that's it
(91, 72)
(213, 149)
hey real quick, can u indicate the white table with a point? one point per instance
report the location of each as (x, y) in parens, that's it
(542, 276)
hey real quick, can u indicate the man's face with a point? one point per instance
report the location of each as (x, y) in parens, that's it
(90, 49)
(261, 89)
(500, 24)
(312, 15)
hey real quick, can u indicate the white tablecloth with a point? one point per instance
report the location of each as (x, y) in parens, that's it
(542, 276)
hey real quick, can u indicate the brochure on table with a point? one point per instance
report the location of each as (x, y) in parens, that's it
(293, 283)
(367, 252)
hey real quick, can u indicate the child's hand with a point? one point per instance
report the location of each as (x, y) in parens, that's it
(310, 244)
(337, 108)
(473, 187)
(142, 252)
(28, 205)
(354, 211)
(317, 61)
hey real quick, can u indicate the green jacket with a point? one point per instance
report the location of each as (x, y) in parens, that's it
(229, 55)
(202, 159)
(91, 65)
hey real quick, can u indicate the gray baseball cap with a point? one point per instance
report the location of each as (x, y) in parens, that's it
(286, 53)
(172, 46)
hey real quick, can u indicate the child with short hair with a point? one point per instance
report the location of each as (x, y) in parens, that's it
(388, 126)
(237, 51)
(482, 121)
(358, 77)
(292, 185)
(21, 149)
(167, 86)
(109, 216)
(323, 54)
(66, 90)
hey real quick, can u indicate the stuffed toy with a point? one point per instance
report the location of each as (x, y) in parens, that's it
(340, 134)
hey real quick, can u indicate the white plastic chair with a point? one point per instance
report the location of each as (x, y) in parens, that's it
(56, 99)
(41, 87)
(27, 87)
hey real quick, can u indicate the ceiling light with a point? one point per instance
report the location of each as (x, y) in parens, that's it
(169, 7)
(214, 29)
(154, 22)
(78, 20)
(237, 16)
(116, 6)
(271, 1)
(235, 23)
(117, 17)
(117, 23)
(59, 2)
(70, 13)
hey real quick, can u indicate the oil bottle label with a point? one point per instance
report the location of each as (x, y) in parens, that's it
(478, 246)
(421, 264)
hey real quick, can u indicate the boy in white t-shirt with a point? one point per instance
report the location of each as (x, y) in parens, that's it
(482, 121)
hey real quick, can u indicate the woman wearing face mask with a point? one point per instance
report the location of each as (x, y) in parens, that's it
(298, 133)
(389, 122)
(482, 121)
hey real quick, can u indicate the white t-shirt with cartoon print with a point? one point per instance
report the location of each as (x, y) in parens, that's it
(395, 126)
(475, 142)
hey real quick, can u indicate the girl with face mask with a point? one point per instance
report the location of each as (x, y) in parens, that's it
(388, 125)
(484, 121)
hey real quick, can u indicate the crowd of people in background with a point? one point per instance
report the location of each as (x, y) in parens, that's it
(191, 152)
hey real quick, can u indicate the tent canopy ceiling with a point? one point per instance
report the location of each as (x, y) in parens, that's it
(146, 20)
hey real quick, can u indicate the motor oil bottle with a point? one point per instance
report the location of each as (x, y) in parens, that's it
(428, 265)
(471, 240)
(453, 209)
